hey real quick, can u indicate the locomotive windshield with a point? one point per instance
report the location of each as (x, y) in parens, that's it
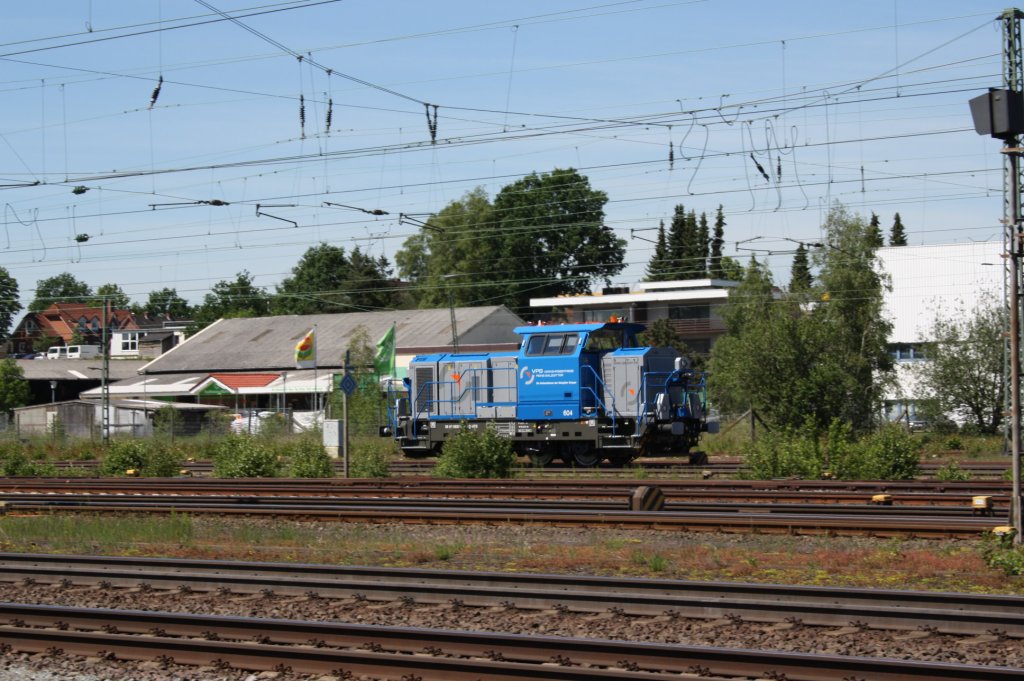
(552, 344)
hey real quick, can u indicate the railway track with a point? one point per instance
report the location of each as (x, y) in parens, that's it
(774, 491)
(946, 613)
(831, 520)
(650, 468)
(400, 652)
(385, 651)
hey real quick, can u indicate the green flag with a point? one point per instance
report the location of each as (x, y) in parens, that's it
(385, 359)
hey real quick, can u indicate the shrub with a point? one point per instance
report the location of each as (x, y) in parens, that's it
(123, 455)
(371, 459)
(891, 454)
(163, 460)
(954, 442)
(999, 552)
(952, 472)
(244, 456)
(308, 459)
(887, 454)
(149, 458)
(780, 455)
(14, 462)
(476, 454)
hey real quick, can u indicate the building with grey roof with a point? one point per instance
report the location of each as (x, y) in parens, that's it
(250, 362)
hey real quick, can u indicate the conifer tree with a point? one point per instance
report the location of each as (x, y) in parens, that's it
(658, 265)
(703, 242)
(715, 259)
(874, 235)
(898, 236)
(679, 239)
(800, 279)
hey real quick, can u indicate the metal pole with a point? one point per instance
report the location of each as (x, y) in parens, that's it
(1014, 227)
(344, 419)
(104, 377)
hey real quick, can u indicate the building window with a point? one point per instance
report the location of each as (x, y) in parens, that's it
(689, 312)
(130, 341)
(907, 352)
(95, 323)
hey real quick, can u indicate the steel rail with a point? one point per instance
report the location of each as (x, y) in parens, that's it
(879, 525)
(965, 614)
(306, 647)
(796, 490)
(519, 500)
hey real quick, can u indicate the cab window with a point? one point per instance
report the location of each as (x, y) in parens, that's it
(552, 344)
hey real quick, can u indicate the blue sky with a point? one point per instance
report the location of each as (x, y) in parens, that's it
(860, 102)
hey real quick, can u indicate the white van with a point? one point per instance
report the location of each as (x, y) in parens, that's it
(57, 352)
(83, 351)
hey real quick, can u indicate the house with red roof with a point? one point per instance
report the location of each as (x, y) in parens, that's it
(67, 324)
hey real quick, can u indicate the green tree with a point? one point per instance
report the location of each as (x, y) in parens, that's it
(850, 325)
(543, 235)
(661, 334)
(238, 298)
(555, 239)
(715, 255)
(369, 283)
(761, 362)
(317, 283)
(801, 279)
(963, 374)
(366, 406)
(14, 390)
(898, 235)
(167, 302)
(703, 244)
(657, 264)
(687, 255)
(60, 288)
(112, 294)
(459, 253)
(731, 269)
(875, 231)
(815, 355)
(9, 304)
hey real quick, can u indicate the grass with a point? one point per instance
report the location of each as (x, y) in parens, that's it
(861, 562)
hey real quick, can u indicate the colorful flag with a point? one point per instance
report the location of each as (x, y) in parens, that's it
(385, 359)
(305, 351)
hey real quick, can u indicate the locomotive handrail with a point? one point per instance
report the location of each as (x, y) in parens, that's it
(597, 379)
(473, 389)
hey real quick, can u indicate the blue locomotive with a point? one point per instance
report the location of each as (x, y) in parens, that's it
(580, 392)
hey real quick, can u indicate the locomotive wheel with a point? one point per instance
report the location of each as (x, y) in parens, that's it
(581, 454)
(542, 456)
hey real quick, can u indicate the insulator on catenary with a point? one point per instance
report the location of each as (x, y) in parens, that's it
(330, 113)
(302, 115)
(760, 168)
(156, 91)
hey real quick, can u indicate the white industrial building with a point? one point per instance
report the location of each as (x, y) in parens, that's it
(929, 282)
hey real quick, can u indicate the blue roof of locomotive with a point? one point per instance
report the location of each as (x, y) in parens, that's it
(586, 326)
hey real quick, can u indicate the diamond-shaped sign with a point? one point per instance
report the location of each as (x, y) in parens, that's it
(348, 384)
